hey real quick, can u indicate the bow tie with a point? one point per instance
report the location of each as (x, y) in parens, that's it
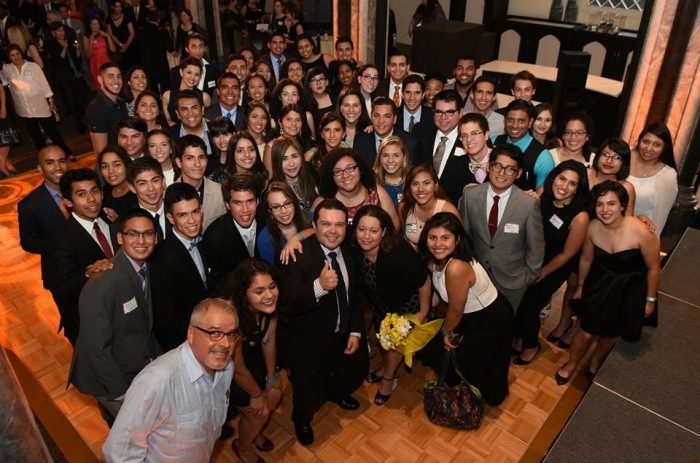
(474, 167)
(194, 243)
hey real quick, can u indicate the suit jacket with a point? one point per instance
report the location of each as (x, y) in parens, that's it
(309, 324)
(268, 60)
(364, 144)
(224, 247)
(116, 341)
(71, 250)
(214, 111)
(514, 255)
(175, 134)
(39, 217)
(425, 117)
(211, 73)
(455, 174)
(176, 288)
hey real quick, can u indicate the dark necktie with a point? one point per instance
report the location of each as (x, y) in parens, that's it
(159, 229)
(439, 154)
(340, 293)
(144, 285)
(102, 239)
(411, 123)
(493, 216)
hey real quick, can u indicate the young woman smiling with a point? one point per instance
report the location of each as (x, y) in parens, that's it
(391, 167)
(354, 112)
(113, 162)
(288, 166)
(159, 146)
(578, 128)
(332, 131)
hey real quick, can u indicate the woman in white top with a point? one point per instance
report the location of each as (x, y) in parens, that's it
(479, 321)
(577, 130)
(653, 174)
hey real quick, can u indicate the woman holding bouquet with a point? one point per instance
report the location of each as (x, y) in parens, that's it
(394, 280)
(479, 321)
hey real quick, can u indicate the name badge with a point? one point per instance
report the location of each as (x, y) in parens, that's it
(556, 221)
(512, 228)
(411, 228)
(130, 305)
(211, 84)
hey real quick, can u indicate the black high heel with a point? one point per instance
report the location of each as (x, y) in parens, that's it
(560, 379)
(556, 339)
(381, 399)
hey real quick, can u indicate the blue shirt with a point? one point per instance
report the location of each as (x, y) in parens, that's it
(544, 163)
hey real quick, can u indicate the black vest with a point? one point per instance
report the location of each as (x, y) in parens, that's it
(527, 180)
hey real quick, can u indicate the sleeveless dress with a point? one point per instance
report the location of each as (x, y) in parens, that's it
(614, 294)
(395, 191)
(254, 361)
(483, 355)
(318, 62)
(414, 226)
(99, 56)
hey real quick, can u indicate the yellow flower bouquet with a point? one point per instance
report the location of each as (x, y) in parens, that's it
(406, 334)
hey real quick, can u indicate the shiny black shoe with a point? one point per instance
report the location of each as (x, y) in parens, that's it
(374, 377)
(560, 379)
(348, 403)
(304, 433)
(518, 360)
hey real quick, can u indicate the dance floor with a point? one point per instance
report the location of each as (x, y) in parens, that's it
(397, 431)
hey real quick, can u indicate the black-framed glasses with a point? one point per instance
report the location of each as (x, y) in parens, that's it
(277, 208)
(348, 170)
(135, 234)
(448, 113)
(218, 335)
(611, 157)
(509, 170)
(577, 133)
(318, 81)
(370, 78)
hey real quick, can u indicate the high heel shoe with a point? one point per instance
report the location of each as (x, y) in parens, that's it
(560, 379)
(381, 399)
(556, 339)
(518, 360)
(374, 377)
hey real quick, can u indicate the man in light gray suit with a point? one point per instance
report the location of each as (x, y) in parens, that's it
(505, 226)
(116, 340)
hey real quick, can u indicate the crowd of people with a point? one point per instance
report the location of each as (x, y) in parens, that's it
(269, 216)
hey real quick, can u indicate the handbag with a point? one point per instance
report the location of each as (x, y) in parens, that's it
(460, 406)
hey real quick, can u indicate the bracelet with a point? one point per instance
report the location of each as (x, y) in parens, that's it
(652, 299)
(256, 396)
(272, 379)
(300, 235)
(447, 333)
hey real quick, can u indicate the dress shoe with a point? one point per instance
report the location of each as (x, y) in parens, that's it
(518, 360)
(234, 447)
(348, 403)
(557, 339)
(304, 433)
(374, 377)
(226, 432)
(266, 446)
(560, 379)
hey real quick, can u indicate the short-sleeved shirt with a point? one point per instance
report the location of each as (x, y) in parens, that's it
(103, 114)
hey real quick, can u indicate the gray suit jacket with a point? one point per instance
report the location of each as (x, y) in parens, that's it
(115, 340)
(514, 256)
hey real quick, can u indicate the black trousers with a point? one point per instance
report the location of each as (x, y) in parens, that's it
(48, 124)
(74, 91)
(339, 376)
(527, 317)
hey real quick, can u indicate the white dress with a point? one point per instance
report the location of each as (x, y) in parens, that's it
(655, 195)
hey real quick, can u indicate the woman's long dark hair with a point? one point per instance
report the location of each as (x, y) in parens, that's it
(390, 239)
(306, 182)
(463, 249)
(364, 121)
(660, 130)
(321, 151)
(407, 199)
(258, 170)
(304, 137)
(301, 221)
(550, 138)
(582, 197)
(619, 147)
(587, 122)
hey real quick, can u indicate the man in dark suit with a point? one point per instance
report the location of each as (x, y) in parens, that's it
(41, 212)
(178, 270)
(322, 321)
(276, 43)
(399, 67)
(190, 112)
(232, 238)
(383, 117)
(146, 181)
(116, 341)
(228, 89)
(439, 146)
(82, 246)
(196, 47)
(411, 112)
(139, 12)
(155, 43)
(505, 226)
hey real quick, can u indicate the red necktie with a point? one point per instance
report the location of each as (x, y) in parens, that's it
(493, 216)
(102, 239)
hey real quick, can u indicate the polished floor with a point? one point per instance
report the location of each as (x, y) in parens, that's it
(397, 431)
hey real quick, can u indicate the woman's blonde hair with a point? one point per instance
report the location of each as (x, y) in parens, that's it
(19, 36)
(388, 141)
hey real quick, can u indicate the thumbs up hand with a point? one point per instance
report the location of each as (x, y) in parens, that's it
(328, 277)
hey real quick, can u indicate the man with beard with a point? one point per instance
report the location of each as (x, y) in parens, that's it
(106, 109)
(463, 72)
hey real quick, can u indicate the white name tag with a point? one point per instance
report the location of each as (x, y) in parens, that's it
(211, 84)
(411, 227)
(130, 305)
(556, 221)
(511, 228)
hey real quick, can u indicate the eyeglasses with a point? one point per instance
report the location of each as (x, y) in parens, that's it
(611, 157)
(371, 78)
(509, 170)
(476, 133)
(295, 70)
(217, 335)
(277, 208)
(133, 234)
(317, 81)
(348, 170)
(571, 133)
(448, 113)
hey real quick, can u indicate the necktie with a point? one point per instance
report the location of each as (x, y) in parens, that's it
(228, 116)
(250, 243)
(279, 68)
(493, 216)
(341, 294)
(397, 96)
(62, 206)
(102, 239)
(159, 229)
(411, 124)
(195, 242)
(142, 274)
(439, 154)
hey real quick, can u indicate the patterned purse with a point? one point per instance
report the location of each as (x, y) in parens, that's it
(460, 407)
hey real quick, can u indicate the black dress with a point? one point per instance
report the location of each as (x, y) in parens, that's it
(614, 294)
(122, 203)
(254, 361)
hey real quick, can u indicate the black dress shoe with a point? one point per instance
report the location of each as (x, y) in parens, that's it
(305, 433)
(348, 403)
(518, 360)
(560, 379)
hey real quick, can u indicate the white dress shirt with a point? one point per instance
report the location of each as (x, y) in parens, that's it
(248, 234)
(502, 202)
(29, 89)
(89, 225)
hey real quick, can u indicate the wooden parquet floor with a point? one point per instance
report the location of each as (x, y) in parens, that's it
(395, 432)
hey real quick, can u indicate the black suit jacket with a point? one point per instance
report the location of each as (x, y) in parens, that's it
(456, 173)
(364, 144)
(175, 134)
(224, 247)
(71, 250)
(154, 44)
(308, 324)
(211, 73)
(176, 288)
(268, 60)
(425, 117)
(39, 217)
(214, 111)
